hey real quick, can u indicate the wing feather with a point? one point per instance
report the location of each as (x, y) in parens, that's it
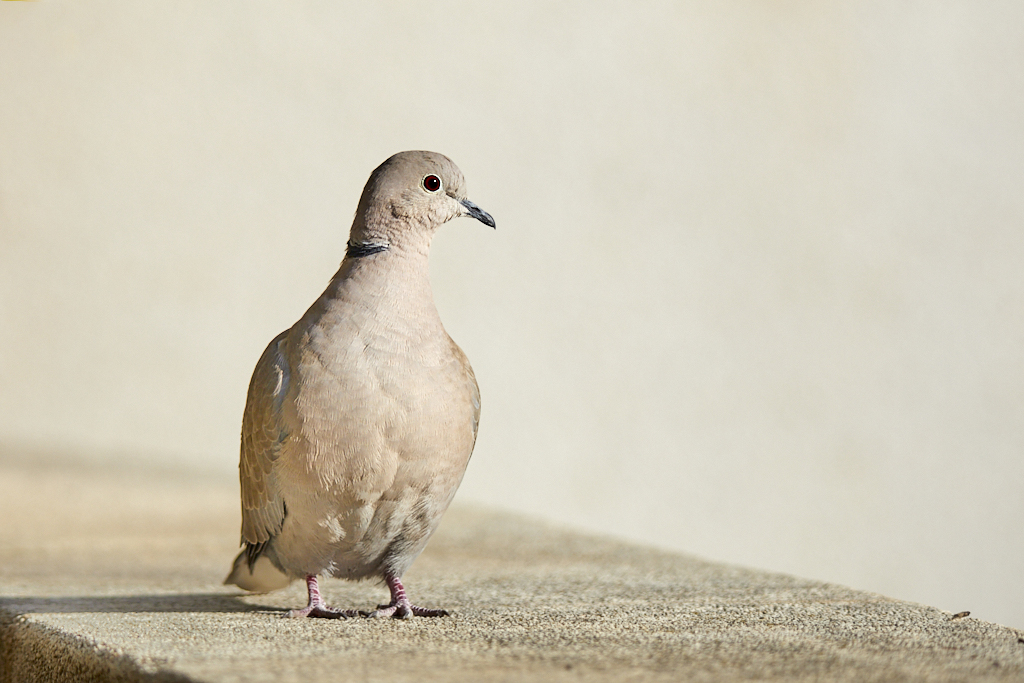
(263, 432)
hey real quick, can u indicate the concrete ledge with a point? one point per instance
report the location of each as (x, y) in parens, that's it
(111, 572)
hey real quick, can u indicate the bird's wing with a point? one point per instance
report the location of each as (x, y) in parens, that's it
(475, 388)
(263, 432)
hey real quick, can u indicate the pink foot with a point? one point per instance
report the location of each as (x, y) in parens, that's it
(400, 607)
(323, 611)
(317, 607)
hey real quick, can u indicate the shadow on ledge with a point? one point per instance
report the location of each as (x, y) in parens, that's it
(182, 602)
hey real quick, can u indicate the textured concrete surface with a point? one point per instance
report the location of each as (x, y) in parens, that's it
(112, 572)
(758, 264)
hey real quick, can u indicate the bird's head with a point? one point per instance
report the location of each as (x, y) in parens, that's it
(406, 199)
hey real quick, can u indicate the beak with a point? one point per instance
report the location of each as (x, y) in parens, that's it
(477, 213)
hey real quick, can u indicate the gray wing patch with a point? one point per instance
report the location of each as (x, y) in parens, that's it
(476, 406)
(263, 432)
(474, 389)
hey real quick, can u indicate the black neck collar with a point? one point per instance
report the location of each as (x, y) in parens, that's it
(360, 249)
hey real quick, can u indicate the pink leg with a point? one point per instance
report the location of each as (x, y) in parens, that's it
(400, 607)
(317, 607)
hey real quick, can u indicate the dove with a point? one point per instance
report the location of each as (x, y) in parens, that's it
(361, 418)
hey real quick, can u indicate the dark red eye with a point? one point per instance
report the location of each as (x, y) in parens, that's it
(432, 183)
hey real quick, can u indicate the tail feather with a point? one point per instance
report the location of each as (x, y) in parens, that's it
(258, 575)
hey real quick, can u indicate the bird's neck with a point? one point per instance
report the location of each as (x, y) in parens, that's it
(387, 288)
(389, 233)
(386, 262)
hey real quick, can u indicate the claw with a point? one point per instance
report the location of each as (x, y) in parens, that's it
(322, 612)
(400, 607)
(317, 608)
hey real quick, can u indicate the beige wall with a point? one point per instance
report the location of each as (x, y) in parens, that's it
(756, 291)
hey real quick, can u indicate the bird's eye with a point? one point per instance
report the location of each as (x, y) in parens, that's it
(431, 183)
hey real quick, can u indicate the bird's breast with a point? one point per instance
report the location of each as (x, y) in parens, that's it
(378, 410)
